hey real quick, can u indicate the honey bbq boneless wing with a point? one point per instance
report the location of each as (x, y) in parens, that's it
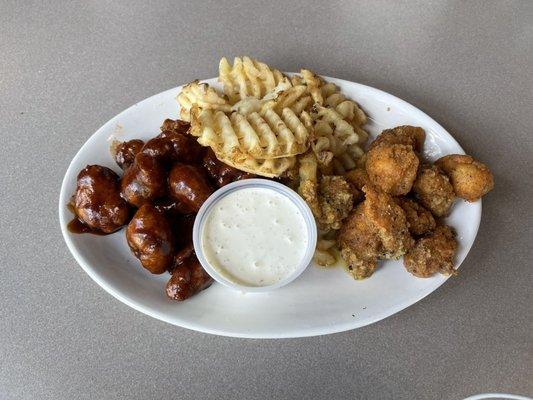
(144, 181)
(171, 207)
(160, 149)
(182, 226)
(189, 185)
(97, 202)
(186, 149)
(150, 238)
(124, 152)
(222, 174)
(188, 276)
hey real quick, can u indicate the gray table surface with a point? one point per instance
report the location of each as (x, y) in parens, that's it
(68, 67)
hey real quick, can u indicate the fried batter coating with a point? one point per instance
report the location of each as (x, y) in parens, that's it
(360, 244)
(432, 253)
(392, 167)
(330, 200)
(376, 229)
(470, 178)
(358, 178)
(419, 220)
(434, 190)
(405, 134)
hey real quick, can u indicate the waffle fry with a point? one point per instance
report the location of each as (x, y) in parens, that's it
(348, 109)
(264, 135)
(247, 78)
(270, 168)
(336, 142)
(329, 95)
(294, 97)
(201, 95)
(314, 84)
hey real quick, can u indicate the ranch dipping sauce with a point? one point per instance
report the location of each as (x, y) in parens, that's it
(254, 237)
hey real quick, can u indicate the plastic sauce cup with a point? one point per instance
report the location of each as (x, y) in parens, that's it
(288, 193)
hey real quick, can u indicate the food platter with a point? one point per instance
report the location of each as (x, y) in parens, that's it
(320, 301)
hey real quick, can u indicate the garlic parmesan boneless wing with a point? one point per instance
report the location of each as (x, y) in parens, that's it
(330, 198)
(432, 254)
(376, 229)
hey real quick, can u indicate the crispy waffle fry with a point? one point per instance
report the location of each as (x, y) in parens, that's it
(342, 129)
(201, 95)
(294, 97)
(348, 109)
(263, 135)
(329, 95)
(314, 84)
(270, 168)
(247, 78)
(335, 142)
(265, 115)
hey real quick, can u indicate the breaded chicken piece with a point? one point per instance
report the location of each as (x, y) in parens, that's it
(432, 253)
(392, 167)
(376, 229)
(359, 243)
(419, 220)
(330, 200)
(434, 190)
(470, 179)
(405, 134)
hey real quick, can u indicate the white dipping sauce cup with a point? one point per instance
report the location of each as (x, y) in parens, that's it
(288, 193)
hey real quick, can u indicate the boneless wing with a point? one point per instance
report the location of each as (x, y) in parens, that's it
(434, 190)
(377, 229)
(470, 178)
(330, 199)
(405, 134)
(392, 167)
(432, 253)
(419, 220)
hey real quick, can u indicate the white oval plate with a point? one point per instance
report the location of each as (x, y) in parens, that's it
(319, 302)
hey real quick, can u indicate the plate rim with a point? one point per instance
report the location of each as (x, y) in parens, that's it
(177, 321)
